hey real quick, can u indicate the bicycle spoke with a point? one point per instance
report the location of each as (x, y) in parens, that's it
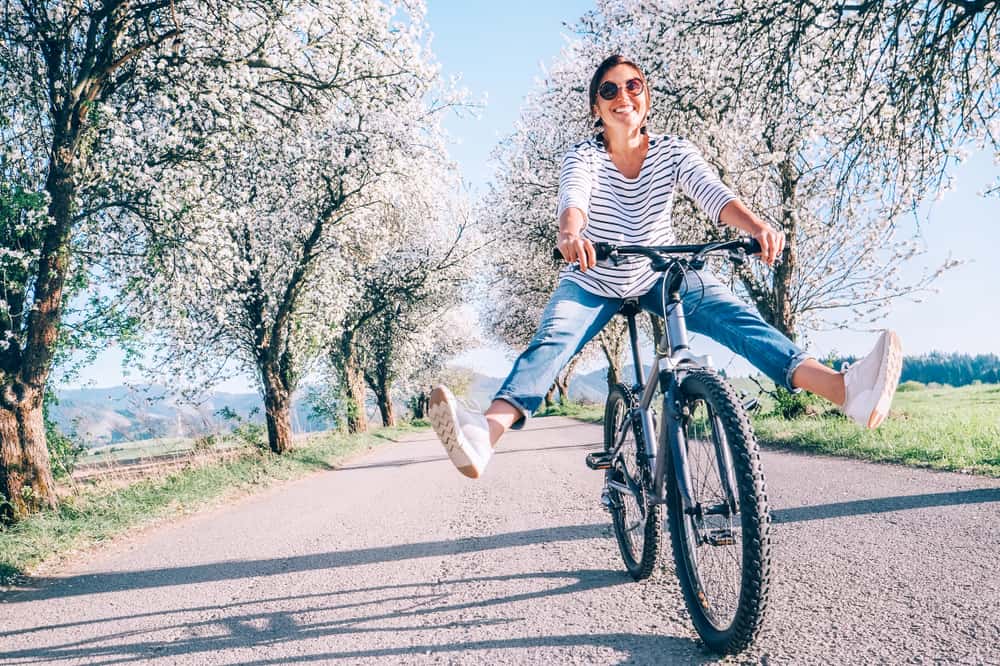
(717, 543)
(637, 524)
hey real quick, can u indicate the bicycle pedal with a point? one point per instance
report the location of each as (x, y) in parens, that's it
(721, 538)
(598, 461)
(606, 500)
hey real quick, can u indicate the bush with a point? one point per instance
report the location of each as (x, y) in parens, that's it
(205, 443)
(788, 405)
(911, 385)
(245, 430)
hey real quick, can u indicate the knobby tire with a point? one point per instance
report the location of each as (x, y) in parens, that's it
(639, 542)
(748, 559)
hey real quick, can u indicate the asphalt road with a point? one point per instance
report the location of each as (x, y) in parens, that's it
(396, 558)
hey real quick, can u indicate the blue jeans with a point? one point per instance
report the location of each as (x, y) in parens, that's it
(574, 316)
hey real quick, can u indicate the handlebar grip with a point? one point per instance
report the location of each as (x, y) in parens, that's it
(752, 246)
(602, 250)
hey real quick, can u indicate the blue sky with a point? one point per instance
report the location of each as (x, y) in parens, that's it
(498, 49)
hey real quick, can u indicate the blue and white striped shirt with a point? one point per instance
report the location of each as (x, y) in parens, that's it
(634, 211)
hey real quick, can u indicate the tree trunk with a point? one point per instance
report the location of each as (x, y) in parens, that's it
(550, 399)
(562, 384)
(25, 468)
(785, 316)
(26, 474)
(612, 340)
(277, 413)
(355, 389)
(659, 330)
(614, 375)
(562, 379)
(385, 406)
(420, 403)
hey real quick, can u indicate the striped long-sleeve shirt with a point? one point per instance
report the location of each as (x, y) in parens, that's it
(634, 211)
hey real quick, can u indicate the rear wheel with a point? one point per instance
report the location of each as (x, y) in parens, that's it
(721, 548)
(638, 524)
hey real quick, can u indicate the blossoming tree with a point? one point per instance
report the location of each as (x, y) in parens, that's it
(59, 62)
(305, 146)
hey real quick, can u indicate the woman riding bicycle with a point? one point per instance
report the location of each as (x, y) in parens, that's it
(618, 187)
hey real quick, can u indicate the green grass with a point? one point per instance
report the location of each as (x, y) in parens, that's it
(98, 513)
(938, 427)
(575, 410)
(146, 448)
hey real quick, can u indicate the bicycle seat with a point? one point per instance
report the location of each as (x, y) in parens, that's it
(630, 307)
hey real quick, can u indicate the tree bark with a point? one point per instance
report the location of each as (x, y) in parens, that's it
(26, 483)
(562, 379)
(387, 410)
(355, 389)
(659, 330)
(385, 406)
(614, 375)
(612, 340)
(25, 468)
(562, 385)
(785, 316)
(550, 399)
(277, 413)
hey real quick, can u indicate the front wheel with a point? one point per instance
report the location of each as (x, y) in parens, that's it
(721, 547)
(638, 523)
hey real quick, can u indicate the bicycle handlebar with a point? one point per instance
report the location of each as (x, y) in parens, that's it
(606, 250)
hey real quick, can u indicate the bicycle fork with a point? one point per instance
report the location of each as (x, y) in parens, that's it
(675, 443)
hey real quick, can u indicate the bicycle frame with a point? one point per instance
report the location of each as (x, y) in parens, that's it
(673, 357)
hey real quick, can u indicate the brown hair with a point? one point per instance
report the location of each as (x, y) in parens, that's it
(595, 83)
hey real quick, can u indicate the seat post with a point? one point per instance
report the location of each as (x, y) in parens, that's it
(630, 309)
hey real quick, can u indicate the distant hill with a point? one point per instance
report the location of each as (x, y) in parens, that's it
(589, 387)
(107, 415)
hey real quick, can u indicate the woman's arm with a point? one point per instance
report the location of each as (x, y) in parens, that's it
(575, 182)
(701, 182)
(772, 241)
(573, 246)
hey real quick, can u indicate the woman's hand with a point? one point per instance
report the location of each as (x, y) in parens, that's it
(772, 243)
(578, 249)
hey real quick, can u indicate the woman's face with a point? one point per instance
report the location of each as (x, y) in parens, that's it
(628, 108)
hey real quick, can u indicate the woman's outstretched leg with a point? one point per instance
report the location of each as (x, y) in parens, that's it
(864, 391)
(572, 317)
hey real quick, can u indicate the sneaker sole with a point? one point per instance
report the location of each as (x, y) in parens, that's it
(443, 421)
(892, 366)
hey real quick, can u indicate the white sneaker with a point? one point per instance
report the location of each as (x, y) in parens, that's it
(870, 383)
(464, 432)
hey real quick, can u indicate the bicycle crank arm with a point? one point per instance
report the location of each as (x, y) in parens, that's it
(621, 487)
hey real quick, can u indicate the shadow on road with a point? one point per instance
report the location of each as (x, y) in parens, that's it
(403, 462)
(884, 504)
(45, 588)
(408, 607)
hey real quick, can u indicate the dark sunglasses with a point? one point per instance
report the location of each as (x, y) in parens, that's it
(609, 89)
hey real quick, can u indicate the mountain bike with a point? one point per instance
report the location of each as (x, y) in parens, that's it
(696, 455)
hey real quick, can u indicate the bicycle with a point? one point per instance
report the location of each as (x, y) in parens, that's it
(703, 465)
